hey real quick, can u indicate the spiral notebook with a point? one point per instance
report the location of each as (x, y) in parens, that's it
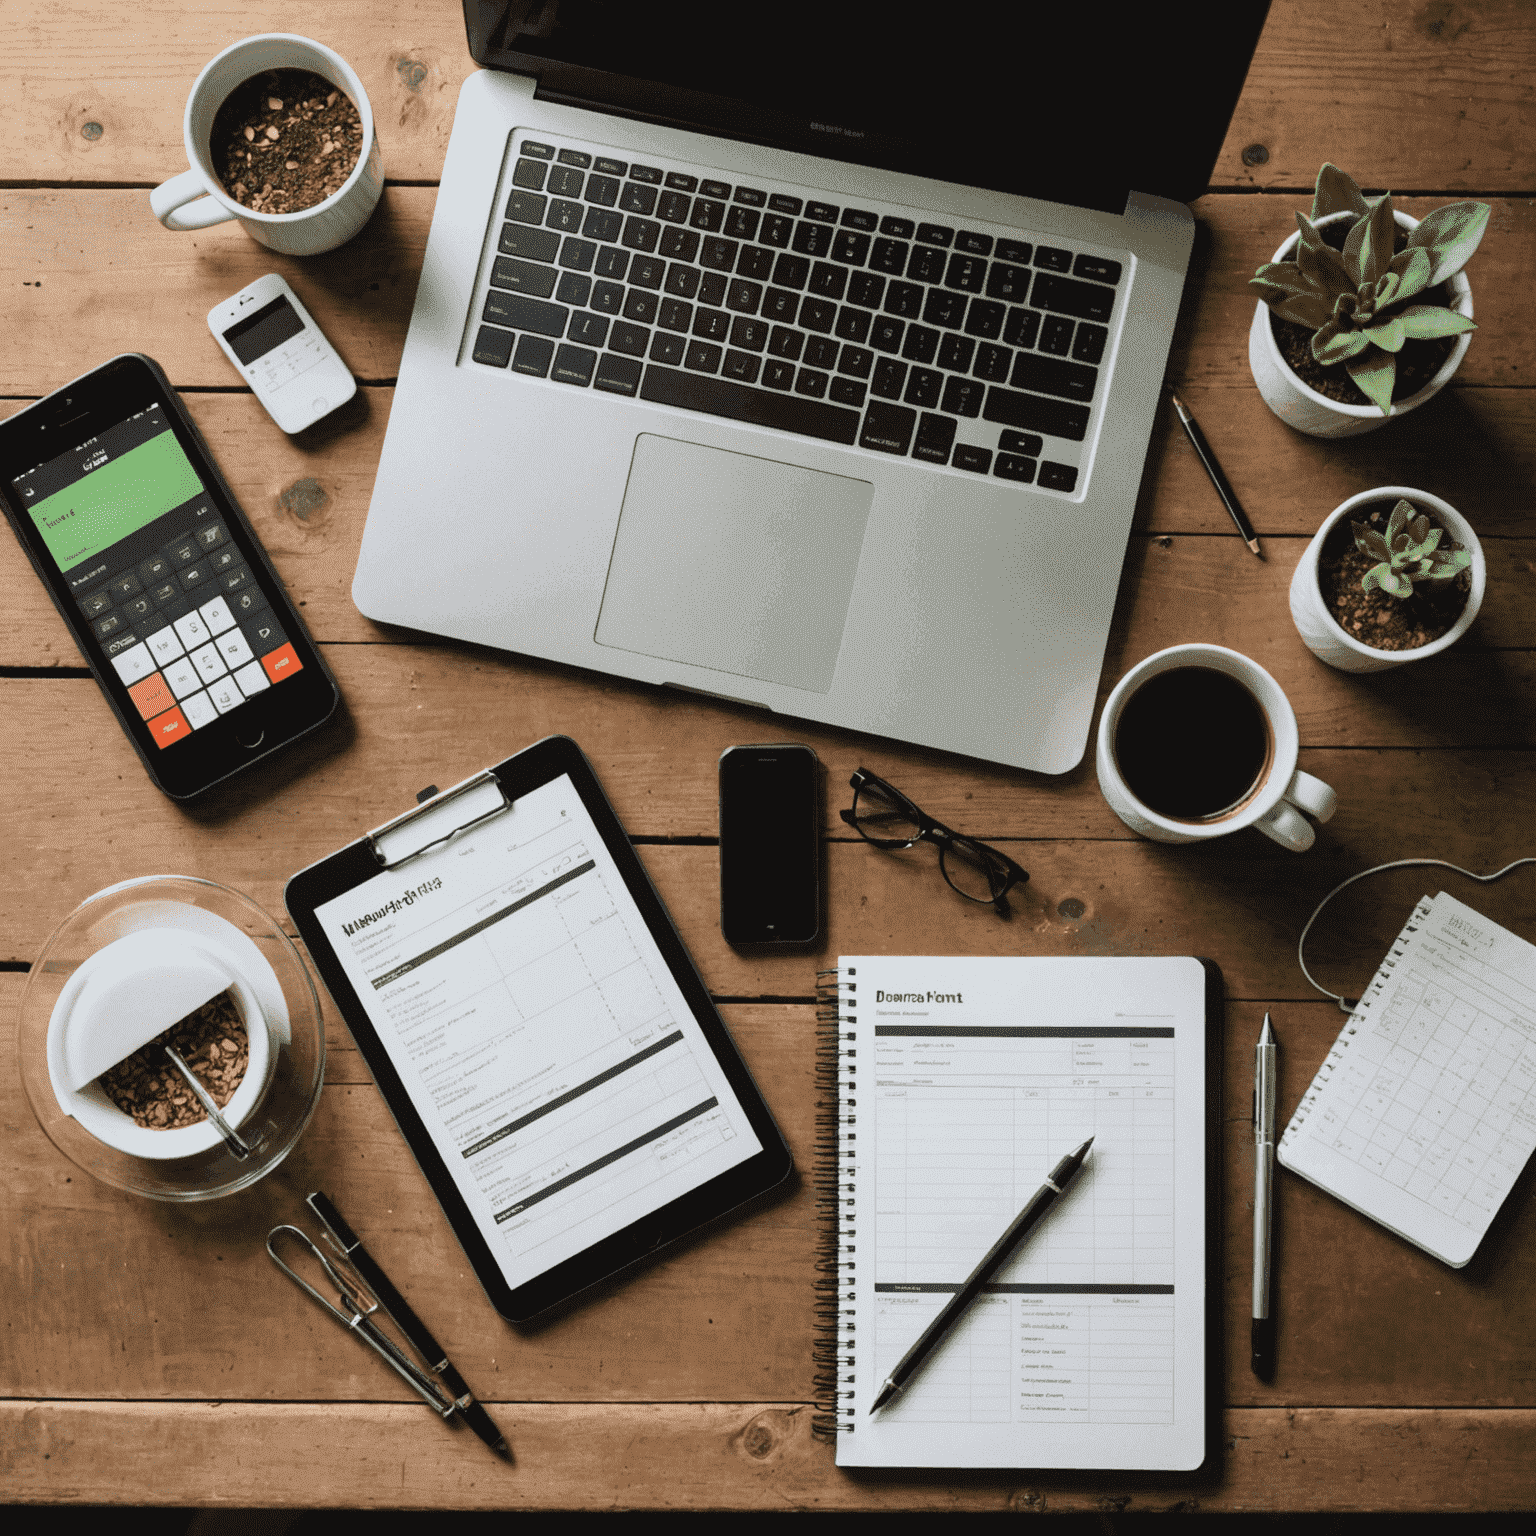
(1097, 1346)
(1424, 1113)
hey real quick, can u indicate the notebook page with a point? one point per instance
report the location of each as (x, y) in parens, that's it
(978, 1075)
(1425, 1112)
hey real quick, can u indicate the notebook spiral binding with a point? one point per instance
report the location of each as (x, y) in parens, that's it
(1335, 1057)
(834, 1171)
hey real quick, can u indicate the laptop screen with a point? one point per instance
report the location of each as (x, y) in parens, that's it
(1068, 102)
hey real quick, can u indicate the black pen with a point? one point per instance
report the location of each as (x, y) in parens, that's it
(1263, 1200)
(1001, 1251)
(410, 1325)
(1219, 480)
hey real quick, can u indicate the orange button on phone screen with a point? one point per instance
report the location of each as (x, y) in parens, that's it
(281, 663)
(169, 727)
(151, 696)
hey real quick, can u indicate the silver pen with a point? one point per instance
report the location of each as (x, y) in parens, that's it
(1263, 1199)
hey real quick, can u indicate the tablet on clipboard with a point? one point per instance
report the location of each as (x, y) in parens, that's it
(537, 1029)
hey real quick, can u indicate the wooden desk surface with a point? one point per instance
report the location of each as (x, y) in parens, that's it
(151, 1355)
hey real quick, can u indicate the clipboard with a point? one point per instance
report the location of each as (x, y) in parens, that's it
(538, 1030)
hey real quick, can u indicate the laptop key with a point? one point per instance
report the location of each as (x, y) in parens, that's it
(1067, 296)
(707, 215)
(603, 190)
(966, 272)
(577, 157)
(977, 460)
(887, 428)
(811, 382)
(889, 377)
(973, 242)
(821, 352)
(1057, 477)
(641, 234)
(574, 289)
(647, 271)
(850, 247)
(993, 363)
(493, 347)
(985, 319)
(533, 356)
(1027, 443)
(955, 354)
(923, 386)
(566, 180)
(935, 437)
(778, 374)
(742, 367)
(856, 361)
(963, 397)
(519, 313)
(630, 338)
(667, 349)
(926, 265)
(1036, 413)
(602, 224)
(678, 244)
(674, 207)
(944, 307)
(784, 412)
(712, 324)
(638, 198)
(523, 276)
(867, 289)
(780, 304)
(612, 167)
(812, 239)
(618, 375)
(1097, 268)
(1088, 344)
(589, 329)
(920, 345)
(1011, 467)
(534, 244)
(818, 314)
(846, 392)
(526, 207)
(1056, 335)
(1050, 376)
(783, 342)
(827, 281)
(719, 254)
(608, 298)
(1008, 283)
(577, 254)
(611, 262)
(543, 151)
(755, 262)
(1016, 251)
(640, 306)
(573, 365)
(530, 174)
(934, 234)
(741, 223)
(904, 299)
(1022, 327)
(776, 230)
(1053, 258)
(565, 216)
(704, 357)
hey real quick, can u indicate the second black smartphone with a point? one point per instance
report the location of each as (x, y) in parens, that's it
(770, 845)
(150, 561)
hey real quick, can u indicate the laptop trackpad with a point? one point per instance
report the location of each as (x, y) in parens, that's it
(733, 562)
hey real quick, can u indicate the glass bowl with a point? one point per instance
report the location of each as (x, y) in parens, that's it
(275, 997)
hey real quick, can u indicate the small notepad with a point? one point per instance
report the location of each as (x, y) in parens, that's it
(1424, 1113)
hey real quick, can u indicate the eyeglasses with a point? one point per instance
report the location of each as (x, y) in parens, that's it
(885, 817)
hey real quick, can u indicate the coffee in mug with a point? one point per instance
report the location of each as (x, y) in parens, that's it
(1199, 741)
(1193, 744)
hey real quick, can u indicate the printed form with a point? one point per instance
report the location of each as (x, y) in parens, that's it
(555, 1063)
(979, 1075)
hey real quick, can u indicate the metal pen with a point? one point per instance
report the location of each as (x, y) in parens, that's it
(1218, 479)
(1263, 1199)
(1057, 1182)
(350, 1245)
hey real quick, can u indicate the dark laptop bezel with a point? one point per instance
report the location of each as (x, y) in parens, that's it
(1148, 111)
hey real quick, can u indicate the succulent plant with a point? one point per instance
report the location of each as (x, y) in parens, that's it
(1408, 552)
(1357, 303)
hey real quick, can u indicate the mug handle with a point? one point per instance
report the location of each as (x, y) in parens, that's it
(1288, 827)
(170, 196)
(1312, 795)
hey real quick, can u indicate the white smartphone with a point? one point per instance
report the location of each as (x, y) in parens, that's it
(281, 353)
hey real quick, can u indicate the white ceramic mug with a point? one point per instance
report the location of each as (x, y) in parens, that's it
(196, 198)
(1283, 791)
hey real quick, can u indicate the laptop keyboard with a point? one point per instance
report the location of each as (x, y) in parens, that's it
(969, 348)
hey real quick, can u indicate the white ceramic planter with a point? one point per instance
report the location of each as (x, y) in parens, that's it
(1326, 639)
(1299, 405)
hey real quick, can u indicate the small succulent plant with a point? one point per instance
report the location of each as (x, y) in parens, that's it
(1357, 303)
(1408, 552)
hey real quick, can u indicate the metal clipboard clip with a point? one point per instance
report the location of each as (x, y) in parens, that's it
(429, 810)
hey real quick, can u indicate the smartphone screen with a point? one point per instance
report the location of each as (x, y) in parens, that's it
(770, 845)
(160, 581)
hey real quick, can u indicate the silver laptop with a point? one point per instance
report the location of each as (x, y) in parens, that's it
(806, 361)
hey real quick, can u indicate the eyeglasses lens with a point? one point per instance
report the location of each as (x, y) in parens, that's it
(970, 870)
(882, 817)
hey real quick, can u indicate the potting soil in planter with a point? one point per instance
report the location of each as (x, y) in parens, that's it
(1376, 618)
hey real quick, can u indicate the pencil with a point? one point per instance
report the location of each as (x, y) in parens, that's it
(1219, 480)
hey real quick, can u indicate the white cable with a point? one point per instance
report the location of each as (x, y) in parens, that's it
(1397, 864)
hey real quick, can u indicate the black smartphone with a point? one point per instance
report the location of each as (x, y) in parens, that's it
(147, 555)
(770, 845)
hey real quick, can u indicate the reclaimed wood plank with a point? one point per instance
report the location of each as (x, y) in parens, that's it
(76, 260)
(727, 1316)
(1323, 80)
(717, 1456)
